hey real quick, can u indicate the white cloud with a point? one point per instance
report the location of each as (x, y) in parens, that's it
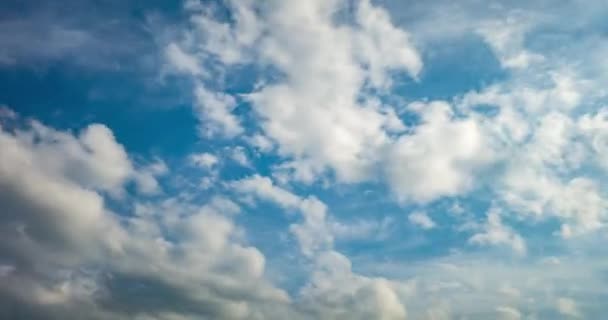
(182, 61)
(335, 292)
(361, 229)
(313, 233)
(214, 111)
(508, 313)
(594, 127)
(239, 155)
(496, 233)
(421, 219)
(560, 145)
(203, 160)
(146, 177)
(264, 188)
(506, 38)
(546, 149)
(55, 225)
(225, 42)
(439, 157)
(557, 91)
(92, 159)
(316, 115)
(567, 307)
(260, 142)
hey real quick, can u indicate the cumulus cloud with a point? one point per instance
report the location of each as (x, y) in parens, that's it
(494, 232)
(439, 157)
(214, 109)
(317, 101)
(421, 219)
(182, 61)
(315, 115)
(313, 232)
(203, 160)
(239, 155)
(71, 254)
(335, 292)
(506, 38)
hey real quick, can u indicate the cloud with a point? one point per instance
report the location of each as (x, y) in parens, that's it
(361, 229)
(204, 160)
(182, 61)
(260, 142)
(506, 38)
(537, 181)
(264, 188)
(214, 109)
(315, 115)
(567, 307)
(496, 233)
(439, 158)
(71, 254)
(146, 178)
(335, 292)
(421, 219)
(318, 101)
(239, 155)
(508, 313)
(92, 159)
(313, 232)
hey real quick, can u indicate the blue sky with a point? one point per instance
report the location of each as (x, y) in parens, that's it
(341, 159)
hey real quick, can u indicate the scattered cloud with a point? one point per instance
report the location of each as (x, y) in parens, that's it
(313, 126)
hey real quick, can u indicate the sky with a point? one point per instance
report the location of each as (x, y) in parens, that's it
(319, 159)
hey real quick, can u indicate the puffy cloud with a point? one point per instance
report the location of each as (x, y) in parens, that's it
(319, 115)
(182, 61)
(508, 313)
(335, 292)
(214, 110)
(421, 219)
(594, 127)
(506, 38)
(314, 115)
(439, 157)
(260, 142)
(546, 148)
(264, 188)
(496, 233)
(567, 307)
(540, 181)
(70, 254)
(314, 232)
(204, 160)
(239, 155)
(146, 178)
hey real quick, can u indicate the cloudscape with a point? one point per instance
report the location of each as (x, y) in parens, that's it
(290, 159)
